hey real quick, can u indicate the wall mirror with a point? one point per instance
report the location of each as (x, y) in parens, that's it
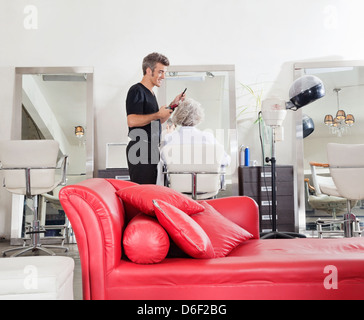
(214, 87)
(344, 84)
(55, 103)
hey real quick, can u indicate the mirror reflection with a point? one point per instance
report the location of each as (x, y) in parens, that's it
(338, 118)
(54, 107)
(214, 88)
(55, 104)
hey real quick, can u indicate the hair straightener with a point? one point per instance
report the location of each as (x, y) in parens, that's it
(174, 106)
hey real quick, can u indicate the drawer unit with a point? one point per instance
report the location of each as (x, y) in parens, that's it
(115, 173)
(255, 182)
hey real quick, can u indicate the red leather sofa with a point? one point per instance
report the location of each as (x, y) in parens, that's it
(256, 269)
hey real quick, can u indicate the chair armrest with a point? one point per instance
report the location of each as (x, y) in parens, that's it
(50, 197)
(222, 178)
(311, 188)
(321, 165)
(62, 164)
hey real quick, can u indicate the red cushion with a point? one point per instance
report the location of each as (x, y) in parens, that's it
(142, 196)
(185, 232)
(145, 241)
(224, 234)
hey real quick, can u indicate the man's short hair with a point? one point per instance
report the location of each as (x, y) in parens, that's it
(151, 60)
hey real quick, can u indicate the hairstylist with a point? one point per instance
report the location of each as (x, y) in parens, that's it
(144, 120)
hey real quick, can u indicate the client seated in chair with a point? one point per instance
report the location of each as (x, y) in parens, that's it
(193, 160)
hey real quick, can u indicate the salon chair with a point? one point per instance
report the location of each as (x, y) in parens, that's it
(346, 162)
(324, 196)
(195, 169)
(52, 199)
(29, 169)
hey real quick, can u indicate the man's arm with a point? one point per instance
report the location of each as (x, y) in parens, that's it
(141, 120)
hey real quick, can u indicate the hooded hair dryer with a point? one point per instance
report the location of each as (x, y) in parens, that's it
(304, 91)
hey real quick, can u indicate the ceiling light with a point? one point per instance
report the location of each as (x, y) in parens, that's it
(341, 122)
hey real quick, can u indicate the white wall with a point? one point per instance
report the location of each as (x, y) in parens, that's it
(263, 38)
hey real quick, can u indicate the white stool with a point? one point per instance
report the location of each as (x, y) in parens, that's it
(36, 278)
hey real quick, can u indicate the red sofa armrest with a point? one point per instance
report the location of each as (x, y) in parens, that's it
(97, 218)
(244, 211)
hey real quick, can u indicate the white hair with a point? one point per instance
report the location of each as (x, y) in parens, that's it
(189, 113)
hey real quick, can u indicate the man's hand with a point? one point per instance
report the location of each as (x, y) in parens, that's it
(164, 114)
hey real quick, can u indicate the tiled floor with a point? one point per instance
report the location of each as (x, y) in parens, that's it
(73, 253)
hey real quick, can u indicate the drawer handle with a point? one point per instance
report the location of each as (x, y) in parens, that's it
(265, 189)
(266, 175)
(267, 203)
(266, 217)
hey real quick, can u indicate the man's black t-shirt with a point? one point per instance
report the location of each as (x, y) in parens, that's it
(141, 100)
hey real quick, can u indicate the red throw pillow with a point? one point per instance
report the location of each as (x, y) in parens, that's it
(142, 196)
(145, 241)
(224, 234)
(185, 232)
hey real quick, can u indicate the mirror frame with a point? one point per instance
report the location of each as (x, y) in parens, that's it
(233, 135)
(17, 202)
(299, 152)
(17, 106)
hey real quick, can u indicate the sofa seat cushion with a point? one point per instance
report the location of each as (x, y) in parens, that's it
(288, 263)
